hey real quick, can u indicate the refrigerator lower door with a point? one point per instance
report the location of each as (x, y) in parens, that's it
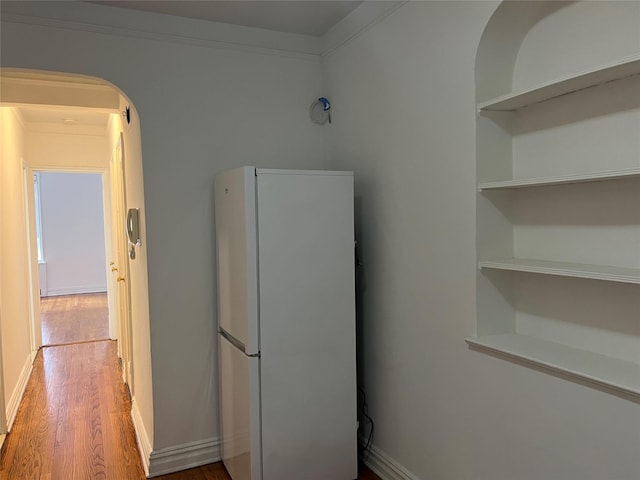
(240, 407)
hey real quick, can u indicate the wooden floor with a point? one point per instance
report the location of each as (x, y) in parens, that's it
(74, 422)
(74, 318)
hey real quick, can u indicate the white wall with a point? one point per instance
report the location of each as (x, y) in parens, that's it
(73, 232)
(15, 330)
(202, 106)
(403, 101)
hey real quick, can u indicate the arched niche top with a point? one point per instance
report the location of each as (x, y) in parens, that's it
(530, 42)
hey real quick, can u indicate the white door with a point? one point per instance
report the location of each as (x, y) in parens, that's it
(120, 260)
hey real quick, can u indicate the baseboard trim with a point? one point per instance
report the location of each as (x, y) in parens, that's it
(16, 396)
(184, 456)
(144, 444)
(56, 292)
(386, 467)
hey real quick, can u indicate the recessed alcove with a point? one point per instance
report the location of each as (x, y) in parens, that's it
(558, 171)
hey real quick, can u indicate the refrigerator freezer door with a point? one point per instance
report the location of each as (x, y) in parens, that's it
(307, 325)
(240, 402)
(236, 237)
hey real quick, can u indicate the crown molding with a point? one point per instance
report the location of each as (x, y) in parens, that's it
(366, 16)
(108, 20)
(158, 27)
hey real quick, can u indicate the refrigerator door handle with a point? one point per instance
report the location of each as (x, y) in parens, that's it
(236, 343)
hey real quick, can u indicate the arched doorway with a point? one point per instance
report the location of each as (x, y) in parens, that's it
(120, 165)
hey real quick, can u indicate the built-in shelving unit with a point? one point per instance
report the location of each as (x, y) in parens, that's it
(620, 69)
(569, 134)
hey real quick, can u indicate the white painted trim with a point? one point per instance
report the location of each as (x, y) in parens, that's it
(165, 28)
(35, 325)
(19, 117)
(55, 292)
(144, 444)
(366, 16)
(16, 396)
(187, 455)
(42, 276)
(46, 167)
(110, 123)
(36, 80)
(45, 128)
(386, 467)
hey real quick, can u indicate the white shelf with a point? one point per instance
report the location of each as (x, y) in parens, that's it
(594, 272)
(513, 101)
(562, 179)
(619, 375)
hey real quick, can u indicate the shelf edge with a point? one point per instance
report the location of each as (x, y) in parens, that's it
(484, 347)
(608, 175)
(492, 105)
(562, 272)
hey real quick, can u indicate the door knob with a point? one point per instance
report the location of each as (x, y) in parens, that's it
(120, 279)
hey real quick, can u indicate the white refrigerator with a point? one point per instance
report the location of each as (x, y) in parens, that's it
(286, 323)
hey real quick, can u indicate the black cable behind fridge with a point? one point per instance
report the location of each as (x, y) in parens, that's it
(366, 450)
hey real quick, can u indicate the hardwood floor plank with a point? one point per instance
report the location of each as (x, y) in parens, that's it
(64, 447)
(74, 318)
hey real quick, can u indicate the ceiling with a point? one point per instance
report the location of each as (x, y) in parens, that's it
(308, 17)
